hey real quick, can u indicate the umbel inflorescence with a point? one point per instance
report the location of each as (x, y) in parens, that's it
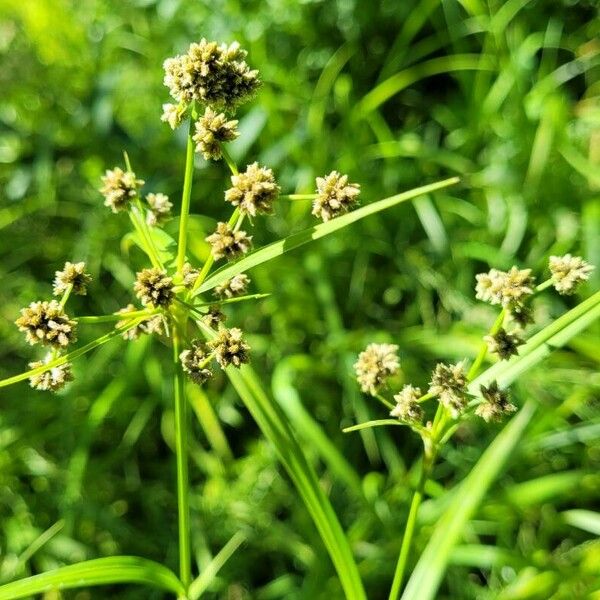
(513, 291)
(207, 83)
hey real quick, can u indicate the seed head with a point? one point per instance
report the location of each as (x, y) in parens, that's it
(236, 286)
(254, 191)
(52, 380)
(173, 115)
(228, 243)
(153, 325)
(407, 407)
(72, 274)
(154, 287)
(496, 403)
(213, 129)
(374, 365)
(217, 76)
(521, 315)
(568, 272)
(213, 317)
(230, 348)
(507, 288)
(194, 362)
(189, 275)
(48, 324)
(160, 209)
(449, 382)
(119, 187)
(503, 344)
(335, 196)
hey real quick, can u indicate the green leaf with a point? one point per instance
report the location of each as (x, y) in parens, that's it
(201, 583)
(272, 422)
(166, 246)
(313, 233)
(587, 520)
(429, 571)
(100, 571)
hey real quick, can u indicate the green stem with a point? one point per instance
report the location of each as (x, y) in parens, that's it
(181, 450)
(148, 247)
(117, 316)
(297, 196)
(186, 196)
(409, 531)
(230, 162)
(484, 347)
(66, 295)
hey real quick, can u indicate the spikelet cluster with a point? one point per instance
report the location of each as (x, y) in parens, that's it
(48, 324)
(72, 274)
(335, 196)
(212, 130)
(119, 188)
(375, 365)
(227, 243)
(154, 288)
(254, 190)
(568, 272)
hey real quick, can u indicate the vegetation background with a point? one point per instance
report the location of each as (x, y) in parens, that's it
(505, 94)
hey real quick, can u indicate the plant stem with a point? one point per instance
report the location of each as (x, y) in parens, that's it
(297, 196)
(186, 195)
(426, 466)
(230, 162)
(181, 450)
(484, 347)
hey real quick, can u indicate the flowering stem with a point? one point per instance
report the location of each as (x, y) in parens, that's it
(145, 230)
(66, 295)
(144, 239)
(230, 162)
(484, 347)
(181, 450)
(409, 530)
(117, 316)
(186, 195)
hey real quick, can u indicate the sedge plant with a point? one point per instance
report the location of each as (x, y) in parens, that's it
(181, 303)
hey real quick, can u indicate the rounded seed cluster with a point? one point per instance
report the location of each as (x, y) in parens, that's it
(236, 286)
(119, 188)
(213, 129)
(211, 74)
(213, 317)
(154, 287)
(407, 407)
(504, 344)
(227, 243)
(449, 382)
(230, 348)
(496, 403)
(189, 275)
(374, 365)
(194, 362)
(173, 114)
(568, 272)
(254, 191)
(73, 274)
(52, 380)
(160, 209)
(335, 196)
(508, 288)
(47, 323)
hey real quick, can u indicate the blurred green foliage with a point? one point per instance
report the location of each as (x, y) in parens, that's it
(505, 94)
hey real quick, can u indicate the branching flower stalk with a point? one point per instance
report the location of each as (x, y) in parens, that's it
(513, 290)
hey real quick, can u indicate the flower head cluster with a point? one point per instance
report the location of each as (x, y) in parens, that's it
(211, 74)
(213, 129)
(236, 286)
(407, 407)
(214, 316)
(496, 403)
(154, 287)
(189, 275)
(119, 188)
(508, 288)
(195, 361)
(48, 324)
(449, 382)
(160, 209)
(152, 325)
(254, 191)
(504, 344)
(52, 380)
(227, 243)
(375, 365)
(73, 274)
(335, 196)
(568, 272)
(230, 348)
(173, 114)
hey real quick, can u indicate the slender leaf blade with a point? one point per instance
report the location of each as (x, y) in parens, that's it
(99, 571)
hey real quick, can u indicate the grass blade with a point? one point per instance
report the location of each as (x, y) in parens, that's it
(100, 571)
(201, 583)
(313, 233)
(427, 575)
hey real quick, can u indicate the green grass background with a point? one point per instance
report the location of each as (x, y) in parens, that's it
(396, 94)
